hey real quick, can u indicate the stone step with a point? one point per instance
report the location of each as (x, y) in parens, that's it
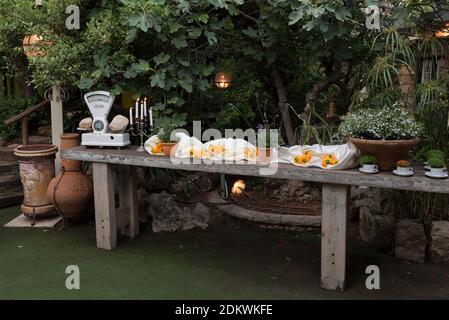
(9, 167)
(9, 182)
(11, 198)
(7, 154)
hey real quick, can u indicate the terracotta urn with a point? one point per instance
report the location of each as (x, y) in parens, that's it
(167, 148)
(71, 191)
(387, 152)
(37, 168)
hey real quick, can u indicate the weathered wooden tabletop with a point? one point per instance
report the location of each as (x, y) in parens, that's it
(129, 156)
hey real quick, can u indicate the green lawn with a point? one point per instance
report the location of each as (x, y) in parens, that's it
(233, 261)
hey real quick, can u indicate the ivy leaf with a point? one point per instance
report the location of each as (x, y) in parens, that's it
(131, 35)
(179, 42)
(158, 79)
(203, 84)
(184, 62)
(86, 83)
(211, 37)
(194, 33)
(116, 90)
(207, 70)
(204, 18)
(250, 32)
(161, 58)
(137, 68)
(295, 16)
(186, 85)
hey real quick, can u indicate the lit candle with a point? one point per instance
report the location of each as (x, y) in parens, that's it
(137, 108)
(141, 110)
(131, 116)
(151, 116)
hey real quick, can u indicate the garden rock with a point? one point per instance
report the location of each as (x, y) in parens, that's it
(169, 216)
(439, 234)
(296, 191)
(118, 124)
(410, 241)
(377, 230)
(86, 124)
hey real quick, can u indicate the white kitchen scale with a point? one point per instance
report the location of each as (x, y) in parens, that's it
(100, 104)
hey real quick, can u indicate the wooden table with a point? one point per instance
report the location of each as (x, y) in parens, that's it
(335, 196)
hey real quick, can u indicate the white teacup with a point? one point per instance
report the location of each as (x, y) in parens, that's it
(437, 171)
(405, 170)
(370, 167)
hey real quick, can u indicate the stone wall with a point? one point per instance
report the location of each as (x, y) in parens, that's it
(407, 239)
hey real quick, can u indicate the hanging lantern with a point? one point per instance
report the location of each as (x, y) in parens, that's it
(32, 45)
(223, 80)
(443, 33)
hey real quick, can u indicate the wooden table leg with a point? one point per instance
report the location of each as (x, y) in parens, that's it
(333, 236)
(105, 214)
(128, 198)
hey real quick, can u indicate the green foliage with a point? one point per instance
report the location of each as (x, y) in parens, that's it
(387, 123)
(166, 125)
(435, 154)
(241, 104)
(436, 162)
(367, 159)
(10, 107)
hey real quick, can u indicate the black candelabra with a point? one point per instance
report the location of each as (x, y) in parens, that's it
(143, 129)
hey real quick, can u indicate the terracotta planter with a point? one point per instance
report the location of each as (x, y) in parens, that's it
(37, 168)
(387, 152)
(167, 148)
(71, 192)
(263, 155)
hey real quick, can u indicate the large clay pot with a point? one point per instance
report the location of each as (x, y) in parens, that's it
(71, 191)
(37, 168)
(387, 152)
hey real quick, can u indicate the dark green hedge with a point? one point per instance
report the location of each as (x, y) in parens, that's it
(9, 107)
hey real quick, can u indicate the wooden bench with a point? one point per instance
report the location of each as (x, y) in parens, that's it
(335, 196)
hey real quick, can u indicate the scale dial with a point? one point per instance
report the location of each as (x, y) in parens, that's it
(100, 104)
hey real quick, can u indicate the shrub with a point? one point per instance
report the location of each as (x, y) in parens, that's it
(367, 159)
(388, 123)
(436, 163)
(11, 106)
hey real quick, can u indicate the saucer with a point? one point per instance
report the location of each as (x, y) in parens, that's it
(369, 172)
(430, 175)
(405, 174)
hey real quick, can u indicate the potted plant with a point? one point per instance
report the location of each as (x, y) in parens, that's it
(368, 163)
(165, 126)
(437, 166)
(164, 134)
(404, 167)
(388, 133)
